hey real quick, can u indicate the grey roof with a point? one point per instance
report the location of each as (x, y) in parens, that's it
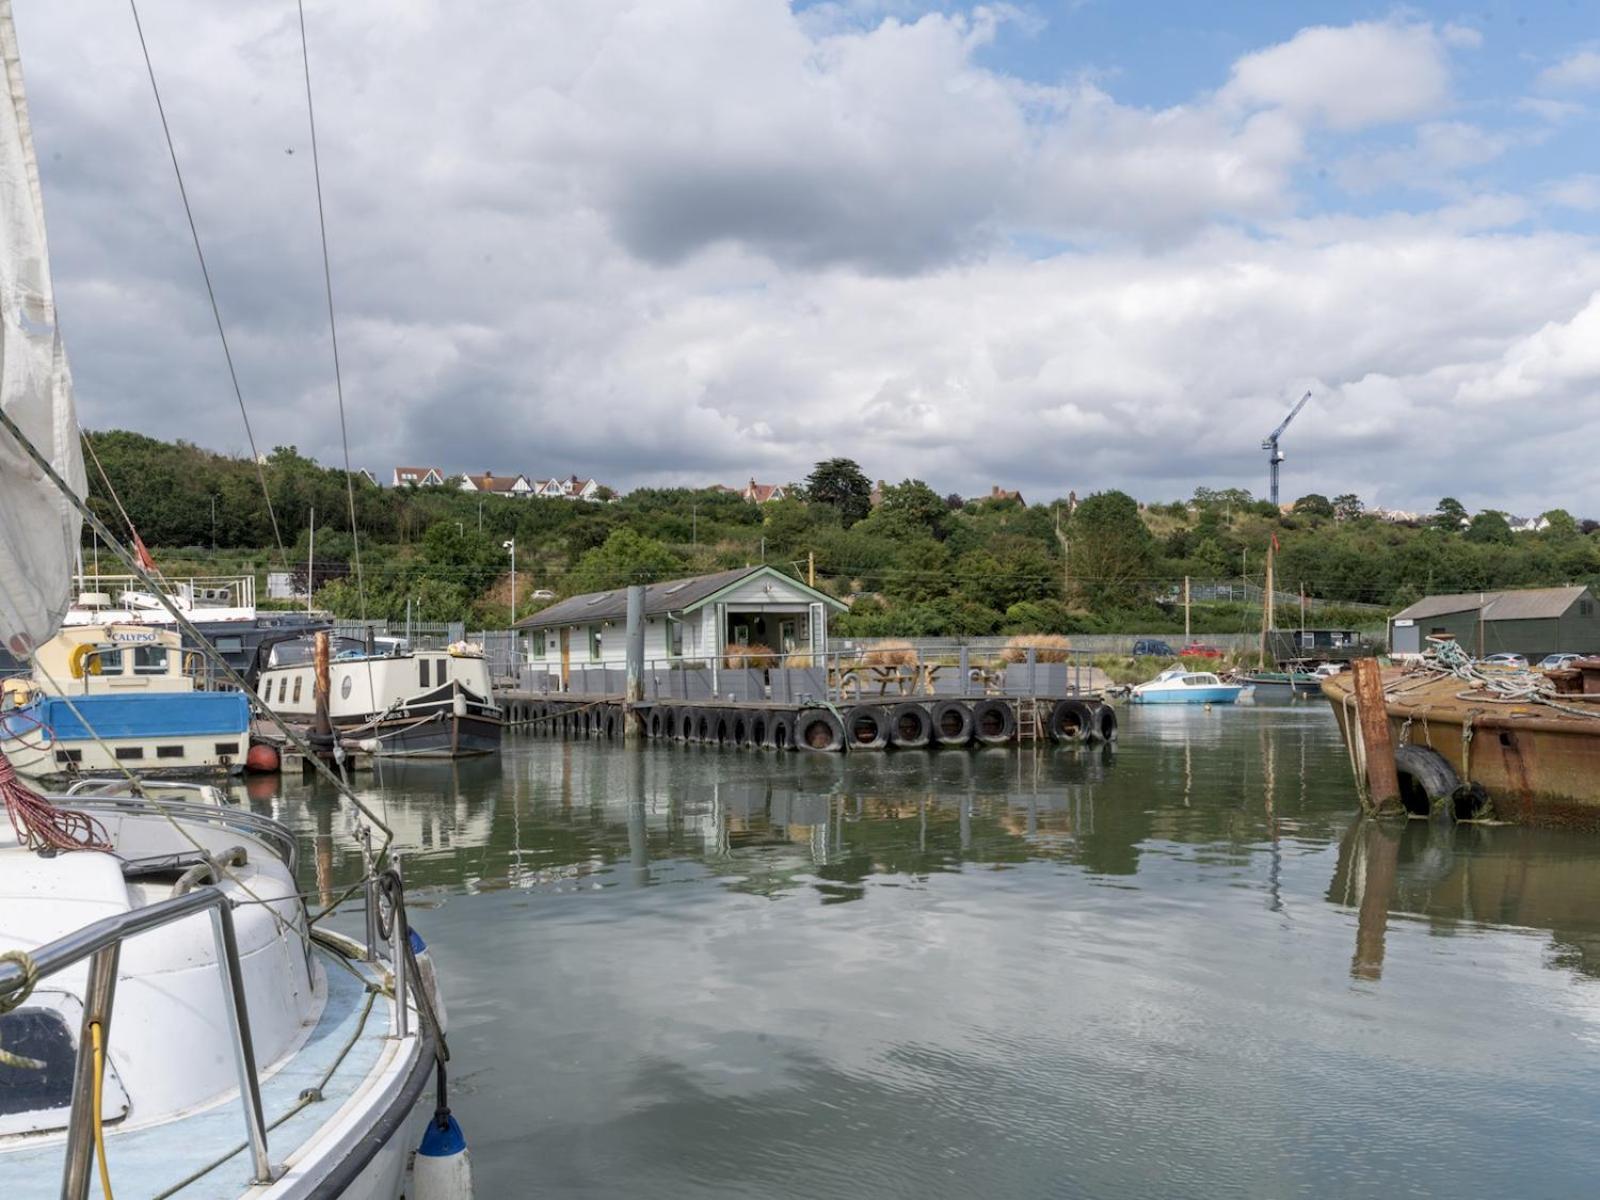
(669, 595)
(1521, 604)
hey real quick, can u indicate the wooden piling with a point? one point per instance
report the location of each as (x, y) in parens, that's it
(632, 717)
(1377, 748)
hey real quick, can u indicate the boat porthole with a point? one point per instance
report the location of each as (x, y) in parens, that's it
(344, 688)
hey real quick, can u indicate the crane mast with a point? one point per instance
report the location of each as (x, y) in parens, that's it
(1270, 445)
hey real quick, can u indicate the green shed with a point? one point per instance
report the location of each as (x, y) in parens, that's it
(1532, 622)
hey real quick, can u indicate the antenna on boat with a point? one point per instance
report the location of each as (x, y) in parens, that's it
(1275, 455)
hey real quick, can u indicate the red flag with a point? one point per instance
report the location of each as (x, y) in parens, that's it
(1275, 542)
(145, 561)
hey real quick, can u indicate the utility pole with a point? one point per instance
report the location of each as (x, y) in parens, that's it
(811, 568)
(1186, 609)
(511, 545)
(311, 561)
(1066, 559)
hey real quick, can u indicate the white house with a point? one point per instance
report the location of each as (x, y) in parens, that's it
(764, 493)
(499, 485)
(418, 477)
(570, 488)
(686, 620)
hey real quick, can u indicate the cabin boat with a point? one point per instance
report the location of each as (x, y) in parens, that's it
(1180, 686)
(184, 937)
(115, 698)
(387, 699)
(1283, 685)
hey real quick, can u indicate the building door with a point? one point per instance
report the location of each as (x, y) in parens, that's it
(1405, 638)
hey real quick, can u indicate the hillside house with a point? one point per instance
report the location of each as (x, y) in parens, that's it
(764, 493)
(418, 477)
(687, 621)
(498, 485)
(570, 488)
(1532, 622)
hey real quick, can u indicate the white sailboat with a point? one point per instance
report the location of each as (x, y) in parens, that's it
(172, 1020)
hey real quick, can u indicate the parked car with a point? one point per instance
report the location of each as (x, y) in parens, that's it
(1557, 661)
(1152, 648)
(1506, 661)
(542, 594)
(1199, 650)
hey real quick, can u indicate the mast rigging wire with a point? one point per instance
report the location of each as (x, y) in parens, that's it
(205, 273)
(333, 327)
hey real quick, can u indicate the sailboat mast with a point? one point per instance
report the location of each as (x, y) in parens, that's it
(1267, 603)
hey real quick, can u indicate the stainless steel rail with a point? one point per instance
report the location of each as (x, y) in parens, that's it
(278, 838)
(101, 943)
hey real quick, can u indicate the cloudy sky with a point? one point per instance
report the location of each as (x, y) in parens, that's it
(1072, 244)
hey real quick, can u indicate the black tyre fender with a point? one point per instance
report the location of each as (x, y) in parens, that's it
(910, 726)
(721, 726)
(741, 730)
(780, 734)
(1106, 721)
(952, 723)
(993, 722)
(689, 724)
(818, 729)
(867, 726)
(1071, 721)
(758, 731)
(1426, 777)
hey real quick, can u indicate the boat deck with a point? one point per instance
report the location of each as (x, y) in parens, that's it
(345, 1045)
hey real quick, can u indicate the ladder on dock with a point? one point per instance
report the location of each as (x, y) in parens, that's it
(1030, 723)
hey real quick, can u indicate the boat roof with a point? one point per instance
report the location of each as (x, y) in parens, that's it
(1520, 604)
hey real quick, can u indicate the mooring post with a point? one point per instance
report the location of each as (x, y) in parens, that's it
(1377, 748)
(965, 661)
(321, 723)
(632, 718)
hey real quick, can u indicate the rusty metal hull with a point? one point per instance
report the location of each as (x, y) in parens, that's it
(1537, 764)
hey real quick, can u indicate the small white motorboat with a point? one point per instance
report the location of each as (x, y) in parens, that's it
(1180, 686)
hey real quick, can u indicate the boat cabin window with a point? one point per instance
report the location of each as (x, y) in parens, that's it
(149, 660)
(1200, 680)
(297, 689)
(422, 671)
(106, 662)
(229, 645)
(40, 1034)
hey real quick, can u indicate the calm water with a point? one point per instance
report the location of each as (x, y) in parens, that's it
(1179, 968)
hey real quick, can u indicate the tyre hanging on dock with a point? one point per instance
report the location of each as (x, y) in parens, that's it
(993, 722)
(910, 727)
(818, 729)
(1072, 721)
(689, 724)
(1426, 779)
(952, 723)
(867, 726)
(1105, 718)
(780, 733)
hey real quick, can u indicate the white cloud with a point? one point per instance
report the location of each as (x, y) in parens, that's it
(1439, 151)
(1580, 192)
(1579, 71)
(688, 240)
(1349, 77)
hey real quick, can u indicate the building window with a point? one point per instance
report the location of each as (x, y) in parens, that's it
(536, 645)
(594, 643)
(674, 638)
(1586, 608)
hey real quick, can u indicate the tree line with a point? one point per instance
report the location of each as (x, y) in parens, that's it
(911, 562)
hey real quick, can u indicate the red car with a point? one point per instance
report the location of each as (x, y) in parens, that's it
(1199, 650)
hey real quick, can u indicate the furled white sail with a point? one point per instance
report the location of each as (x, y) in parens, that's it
(39, 528)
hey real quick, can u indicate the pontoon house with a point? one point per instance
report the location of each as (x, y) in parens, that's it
(688, 621)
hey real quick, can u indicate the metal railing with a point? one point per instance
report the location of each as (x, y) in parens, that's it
(196, 594)
(101, 943)
(836, 676)
(95, 795)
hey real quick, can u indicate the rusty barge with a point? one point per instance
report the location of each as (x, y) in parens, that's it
(1465, 748)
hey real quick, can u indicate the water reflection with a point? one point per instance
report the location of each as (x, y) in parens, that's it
(1179, 966)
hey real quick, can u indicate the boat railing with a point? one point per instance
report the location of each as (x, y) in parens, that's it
(93, 795)
(101, 943)
(196, 593)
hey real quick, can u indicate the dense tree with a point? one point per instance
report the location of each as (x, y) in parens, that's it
(1348, 507)
(625, 558)
(1450, 516)
(1489, 526)
(916, 505)
(1314, 505)
(839, 483)
(1112, 552)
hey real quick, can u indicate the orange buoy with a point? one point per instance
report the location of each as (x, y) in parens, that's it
(262, 759)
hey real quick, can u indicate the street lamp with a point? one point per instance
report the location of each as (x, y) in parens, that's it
(511, 545)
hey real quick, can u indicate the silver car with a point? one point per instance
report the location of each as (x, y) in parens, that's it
(1555, 662)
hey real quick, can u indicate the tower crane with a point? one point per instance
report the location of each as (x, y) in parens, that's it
(1270, 445)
